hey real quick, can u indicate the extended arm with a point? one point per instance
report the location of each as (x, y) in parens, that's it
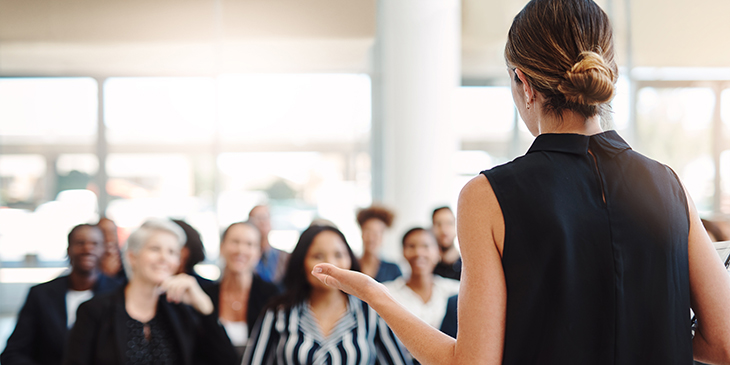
(482, 295)
(710, 295)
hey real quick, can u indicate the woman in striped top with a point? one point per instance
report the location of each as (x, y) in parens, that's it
(312, 323)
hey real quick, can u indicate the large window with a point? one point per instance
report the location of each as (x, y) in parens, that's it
(201, 149)
(159, 110)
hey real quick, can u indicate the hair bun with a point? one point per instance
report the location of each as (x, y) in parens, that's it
(590, 81)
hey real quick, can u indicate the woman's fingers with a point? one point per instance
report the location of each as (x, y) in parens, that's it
(326, 274)
(351, 282)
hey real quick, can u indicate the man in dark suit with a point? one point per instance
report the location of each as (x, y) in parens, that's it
(50, 309)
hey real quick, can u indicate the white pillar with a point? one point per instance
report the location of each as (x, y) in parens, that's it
(417, 68)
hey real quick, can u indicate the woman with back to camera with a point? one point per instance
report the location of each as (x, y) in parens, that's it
(312, 323)
(241, 295)
(157, 318)
(582, 251)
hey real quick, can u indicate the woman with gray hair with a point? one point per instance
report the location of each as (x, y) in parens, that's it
(157, 318)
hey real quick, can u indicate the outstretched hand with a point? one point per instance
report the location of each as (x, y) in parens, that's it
(350, 282)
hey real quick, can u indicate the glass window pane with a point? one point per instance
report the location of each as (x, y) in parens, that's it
(725, 154)
(675, 128)
(483, 113)
(48, 110)
(42, 233)
(620, 104)
(294, 108)
(299, 186)
(21, 180)
(159, 109)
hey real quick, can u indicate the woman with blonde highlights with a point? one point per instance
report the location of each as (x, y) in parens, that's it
(157, 318)
(582, 251)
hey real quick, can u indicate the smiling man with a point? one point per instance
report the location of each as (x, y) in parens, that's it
(50, 309)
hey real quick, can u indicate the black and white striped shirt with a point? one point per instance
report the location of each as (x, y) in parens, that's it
(293, 337)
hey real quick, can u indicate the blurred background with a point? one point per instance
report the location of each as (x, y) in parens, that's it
(201, 109)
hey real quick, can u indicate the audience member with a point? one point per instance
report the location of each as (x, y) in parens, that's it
(714, 230)
(373, 221)
(241, 295)
(312, 323)
(272, 264)
(450, 325)
(111, 262)
(444, 228)
(157, 318)
(319, 221)
(50, 309)
(424, 293)
(192, 253)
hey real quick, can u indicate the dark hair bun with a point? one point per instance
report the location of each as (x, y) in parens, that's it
(590, 81)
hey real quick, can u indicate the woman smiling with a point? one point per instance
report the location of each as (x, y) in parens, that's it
(157, 318)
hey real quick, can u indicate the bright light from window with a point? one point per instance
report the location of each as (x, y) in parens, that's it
(48, 107)
(725, 106)
(294, 108)
(483, 113)
(620, 104)
(159, 109)
(82, 162)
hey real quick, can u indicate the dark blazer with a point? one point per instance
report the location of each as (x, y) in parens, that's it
(387, 271)
(99, 335)
(40, 332)
(261, 292)
(450, 324)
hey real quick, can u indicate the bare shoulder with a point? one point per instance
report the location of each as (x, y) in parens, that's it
(479, 212)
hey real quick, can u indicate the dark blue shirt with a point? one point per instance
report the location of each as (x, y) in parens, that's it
(387, 271)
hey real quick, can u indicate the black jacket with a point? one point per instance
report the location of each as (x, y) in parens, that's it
(40, 332)
(99, 335)
(261, 292)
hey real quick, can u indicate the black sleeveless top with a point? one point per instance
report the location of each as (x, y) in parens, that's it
(588, 281)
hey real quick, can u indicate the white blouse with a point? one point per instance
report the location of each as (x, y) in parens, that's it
(433, 311)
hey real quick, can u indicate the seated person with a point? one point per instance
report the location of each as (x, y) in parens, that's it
(192, 253)
(50, 309)
(273, 261)
(312, 323)
(450, 325)
(373, 222)
(424, 293)
(241, 295)
(714, 230)
(157, 318)
(111, 262)
(444, 228)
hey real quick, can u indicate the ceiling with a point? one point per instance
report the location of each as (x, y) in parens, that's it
(204, 37)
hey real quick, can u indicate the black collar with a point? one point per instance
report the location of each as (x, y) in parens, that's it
(608, 142)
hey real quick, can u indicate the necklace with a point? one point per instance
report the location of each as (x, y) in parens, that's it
(236, 305)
